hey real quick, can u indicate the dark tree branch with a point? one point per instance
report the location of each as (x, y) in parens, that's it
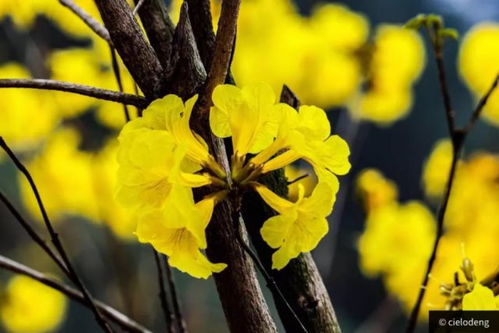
(222, 54)
(300, 280)
(200, 12)
(117, 76)
(55, 238)
(188, 73)
(138, 56)
(458, 137)
(32, 233)
(159, 29)
(163, 297)
(96, 27)
(109, 312)
(107, 95)
(175, 300)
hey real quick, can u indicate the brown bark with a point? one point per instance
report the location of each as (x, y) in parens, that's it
(159, 29)
(139, 57)
(238, 288)
(299, 281)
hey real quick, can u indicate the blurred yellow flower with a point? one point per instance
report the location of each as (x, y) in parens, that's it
(22, 13)
(397, 61)
(63, 177)
(480, 299)
(28, 116)
(436, 169)
(479, 65)
(27, 306)
(375, 190)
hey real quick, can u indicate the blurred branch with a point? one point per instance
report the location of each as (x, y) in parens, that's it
(458, 137)
(55, 238)
(107, 95)
(109, 312)
(32, 233)
(173, 291)
(117, 76)
(96, 27)
(137, 7)
(163, 297)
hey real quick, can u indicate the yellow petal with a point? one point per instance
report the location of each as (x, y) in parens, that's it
(313, 123)
(481, 298)
(275, 229)
(273, 200)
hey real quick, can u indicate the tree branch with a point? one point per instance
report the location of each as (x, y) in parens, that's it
(165, 306)
(200, 12)
(55, 238)
(458, 137)
(107, 95)
(109, 312)
(136, 53)
(117, 76)
(159, 29)
(224, 45)
(173, 292)
(96, 27)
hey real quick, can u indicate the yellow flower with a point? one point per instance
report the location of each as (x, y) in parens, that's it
(300, 225)
(436, 169)
(250, 115)
(31, 307)
(480, 299)
(397, 238)
(177, 229)
(309, 182)
(23, 13)
(479, 65)
(61, 168)
(375, 190)
(20, 107)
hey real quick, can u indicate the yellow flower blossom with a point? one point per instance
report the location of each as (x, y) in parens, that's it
(22, 13)
(396, 62)
(31, 307)
(479, 65)
(300, 225)
(375, 190)
(292, 173)
(436, 169)
(178, 230)
(20, 107)
(63, 177)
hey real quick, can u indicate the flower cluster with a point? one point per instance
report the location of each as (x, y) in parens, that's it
(401, 255)
(161, 160)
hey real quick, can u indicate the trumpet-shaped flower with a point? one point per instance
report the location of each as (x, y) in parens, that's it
(300, 225)
(31, 307)
(178, 230)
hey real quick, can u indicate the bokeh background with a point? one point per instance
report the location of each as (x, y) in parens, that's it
(121, 271)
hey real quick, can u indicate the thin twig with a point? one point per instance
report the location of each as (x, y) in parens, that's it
(458, 136)
(268, 278)
(173, 291)
(163, 297)
(107, 95)
(96, 27)
(481, 104)
(55, 237)
(137, 7)
(297, 179)
(32, 233)
(117, 76)
(112, 314)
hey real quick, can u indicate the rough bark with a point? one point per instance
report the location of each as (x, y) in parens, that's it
(159, 29)
(139, 57)
(238, 288)
(203, 29)
(299, 281)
